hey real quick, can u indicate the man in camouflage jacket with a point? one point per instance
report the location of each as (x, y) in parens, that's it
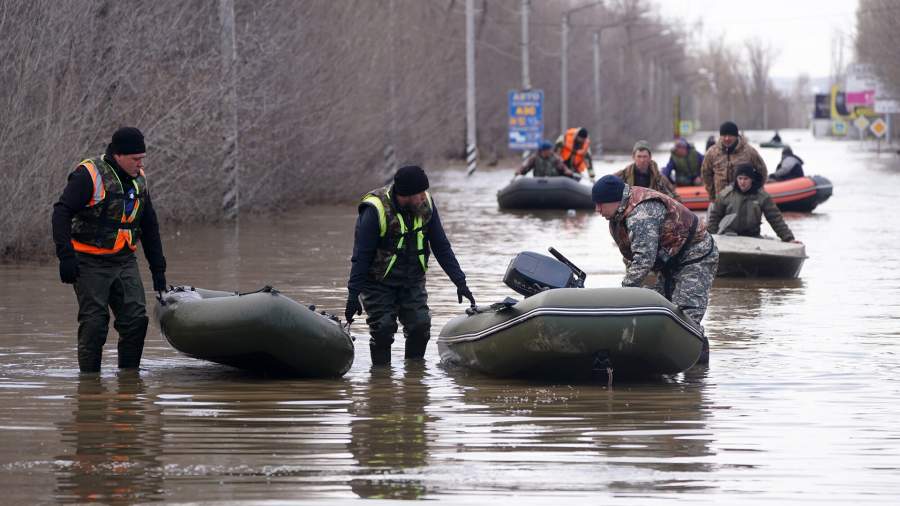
(720, 161)
(644, 172)
(655, 233)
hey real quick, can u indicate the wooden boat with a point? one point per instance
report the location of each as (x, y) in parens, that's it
(757, 257)
(545, 193)
(802, 194)
(262, 331)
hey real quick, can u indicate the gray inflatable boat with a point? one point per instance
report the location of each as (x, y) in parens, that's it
(545, 193)
(570, 331)
(262, 331)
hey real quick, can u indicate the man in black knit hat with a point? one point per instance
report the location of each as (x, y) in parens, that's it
(731, 150)
(101, 215)
(398, 227)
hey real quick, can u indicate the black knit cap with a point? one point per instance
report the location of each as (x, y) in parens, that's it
(728, 128)
(745, 169)
(608, 189)
(127, 141)
(410, 180)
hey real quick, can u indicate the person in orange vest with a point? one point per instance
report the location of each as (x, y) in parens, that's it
(101, 215)
(575, 151)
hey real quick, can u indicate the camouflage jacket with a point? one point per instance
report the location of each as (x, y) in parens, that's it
(718, 166)
(545, 167)
(651, 229)
(657, 181)
(748, 210)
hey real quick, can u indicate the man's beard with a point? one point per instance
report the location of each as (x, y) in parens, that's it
(417, 210)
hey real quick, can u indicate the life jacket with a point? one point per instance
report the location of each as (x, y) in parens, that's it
(676, 228)
(575, 159)
(112, 218)
(393, 232)
(686, 167)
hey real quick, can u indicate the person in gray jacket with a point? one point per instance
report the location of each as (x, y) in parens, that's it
(790, 166)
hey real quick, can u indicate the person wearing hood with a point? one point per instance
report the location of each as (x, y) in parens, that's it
(685, 162)
(790, 166)
(397, 229)
(731, 150)
(102, 214)
(545, 163)
(644, 172)
(740, 207)
(656, 233)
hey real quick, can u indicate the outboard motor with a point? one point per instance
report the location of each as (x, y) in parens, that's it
(530, 273)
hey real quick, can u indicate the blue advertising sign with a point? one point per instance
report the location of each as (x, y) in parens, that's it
(526, 119)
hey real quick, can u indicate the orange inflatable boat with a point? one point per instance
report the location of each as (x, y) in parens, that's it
(801, 194)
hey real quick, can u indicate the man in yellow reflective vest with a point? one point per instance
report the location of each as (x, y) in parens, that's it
(103, 212)
(397, 229)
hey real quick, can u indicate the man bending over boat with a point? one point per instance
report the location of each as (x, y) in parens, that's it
(397, 229)
(740, 207)
(656, 233)
(545, 163)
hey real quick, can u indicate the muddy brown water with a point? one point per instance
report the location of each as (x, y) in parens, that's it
(799, 403)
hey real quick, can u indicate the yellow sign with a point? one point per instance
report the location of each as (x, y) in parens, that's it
(878, 127)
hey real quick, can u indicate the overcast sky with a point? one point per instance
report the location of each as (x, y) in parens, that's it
(800, 30)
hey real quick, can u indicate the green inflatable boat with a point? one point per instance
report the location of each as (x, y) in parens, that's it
(262, 331)
(571, 332)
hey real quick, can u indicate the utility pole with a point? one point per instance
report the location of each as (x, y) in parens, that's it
(564, 65)
(564, 76)
(471, 138)
(526, 75)
(598, 122)
(390, 155)
(230, 168)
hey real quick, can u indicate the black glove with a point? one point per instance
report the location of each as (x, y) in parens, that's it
(463, 291)
(159, 281)
(353, 306)
(68, 270)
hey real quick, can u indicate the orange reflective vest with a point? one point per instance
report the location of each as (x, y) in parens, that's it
(575, 158)
(111, 220)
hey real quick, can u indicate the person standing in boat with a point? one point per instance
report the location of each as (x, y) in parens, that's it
(656, 233)
(731, 150)
(790, 166)
(97, 222)
(575, 151)
(397, 229)
(740, 207)
(644, 172)
(545, 163)
(685, 162)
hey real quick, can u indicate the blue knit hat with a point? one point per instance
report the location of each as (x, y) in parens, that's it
(608, 189)
(545, 144)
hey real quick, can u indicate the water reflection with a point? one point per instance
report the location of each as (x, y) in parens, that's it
(113, 439)
(640, 435)
(389, 439)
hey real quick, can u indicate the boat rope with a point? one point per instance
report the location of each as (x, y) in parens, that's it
(265, 289)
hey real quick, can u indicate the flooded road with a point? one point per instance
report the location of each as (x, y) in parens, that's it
(800, 401)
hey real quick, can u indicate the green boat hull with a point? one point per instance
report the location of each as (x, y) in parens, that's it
(263, 332)
(575, 332)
